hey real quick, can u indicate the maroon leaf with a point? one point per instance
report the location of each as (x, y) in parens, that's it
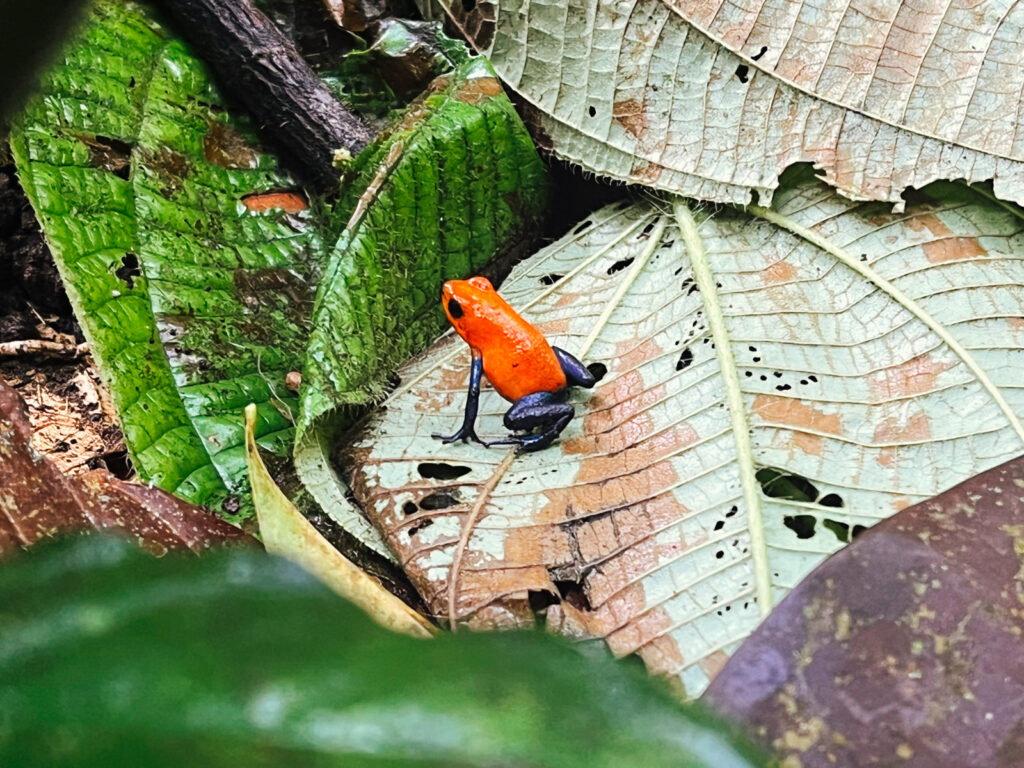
(37, 500)
(904, 649)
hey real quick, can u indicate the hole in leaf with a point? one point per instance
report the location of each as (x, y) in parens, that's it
(741, 73)
(684, 359)
(801, 525)
(109, 154)
(597, 370)
(550, 279)
(541, 599)
(442, 470)
(438, 501)
(782, 485)
(591, 111)
(129, 269)
(831, 500)
(409, 508)
(421, 525)
(572, 593)
(619, 265)
(764, 50)
(582, 227)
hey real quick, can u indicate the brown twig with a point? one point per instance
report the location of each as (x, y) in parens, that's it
(260, 67)
(42, 348)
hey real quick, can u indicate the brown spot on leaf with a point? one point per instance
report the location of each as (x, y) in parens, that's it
(477, 90)
(795, 413)
(910, 378)
(806, 443)
(946, 247)
(226, 147)
(779, 272)
(893, 430)
(629, 113)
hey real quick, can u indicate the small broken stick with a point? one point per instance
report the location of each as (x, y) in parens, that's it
(43, 348)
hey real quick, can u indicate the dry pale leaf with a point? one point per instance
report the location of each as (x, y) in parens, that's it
(715, 99)
(776, 380)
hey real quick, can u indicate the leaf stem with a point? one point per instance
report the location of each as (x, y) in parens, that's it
(734, 399)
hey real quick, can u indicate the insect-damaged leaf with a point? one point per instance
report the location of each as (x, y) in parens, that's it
(238, 658)
(903, 649)
(776, 381)
(38, 500)
(186, 256)
(714, 99)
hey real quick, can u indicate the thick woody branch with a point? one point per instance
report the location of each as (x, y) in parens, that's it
(258, 66)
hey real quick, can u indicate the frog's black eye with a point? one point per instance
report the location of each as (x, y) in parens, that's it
(455, 309)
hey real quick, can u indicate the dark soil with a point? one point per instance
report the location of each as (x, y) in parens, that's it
(30, 288)
(74, 422)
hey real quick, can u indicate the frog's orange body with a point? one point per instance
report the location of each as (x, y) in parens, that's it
(518, 360)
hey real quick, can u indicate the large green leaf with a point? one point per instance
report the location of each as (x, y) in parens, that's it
(109, 657)
(131, 161)
(776, 380)
(715, 99)
(454, 183)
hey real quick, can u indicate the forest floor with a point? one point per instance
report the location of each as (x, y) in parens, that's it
(74, 421)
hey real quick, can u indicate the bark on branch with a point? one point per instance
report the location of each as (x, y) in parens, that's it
(260, 67)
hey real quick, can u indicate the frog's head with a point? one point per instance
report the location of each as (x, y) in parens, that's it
(473, 308)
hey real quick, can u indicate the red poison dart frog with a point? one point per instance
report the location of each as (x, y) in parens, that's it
(517, 360)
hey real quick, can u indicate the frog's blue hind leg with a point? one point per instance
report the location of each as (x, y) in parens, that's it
(576, 373)
(545, 410)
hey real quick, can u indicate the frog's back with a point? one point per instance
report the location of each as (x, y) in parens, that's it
(518, 360)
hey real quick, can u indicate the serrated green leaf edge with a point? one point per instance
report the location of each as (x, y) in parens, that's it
(201, 251)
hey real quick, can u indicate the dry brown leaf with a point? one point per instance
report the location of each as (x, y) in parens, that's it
(37, 500)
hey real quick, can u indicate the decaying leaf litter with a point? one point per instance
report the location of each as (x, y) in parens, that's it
(851, 360)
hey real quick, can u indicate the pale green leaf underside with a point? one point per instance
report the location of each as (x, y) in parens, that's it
(881, 381)
(714, 100)
(128, 154)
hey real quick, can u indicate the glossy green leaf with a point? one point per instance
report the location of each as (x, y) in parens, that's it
(777, 380)
(456, 182)
(192, 284)
(109, 657)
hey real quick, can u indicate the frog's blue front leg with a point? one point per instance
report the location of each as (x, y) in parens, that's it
(468, 429)
(576, 373)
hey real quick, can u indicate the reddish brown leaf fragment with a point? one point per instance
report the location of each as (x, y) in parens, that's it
(906, 648)
(289, 202)
(38, 501)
